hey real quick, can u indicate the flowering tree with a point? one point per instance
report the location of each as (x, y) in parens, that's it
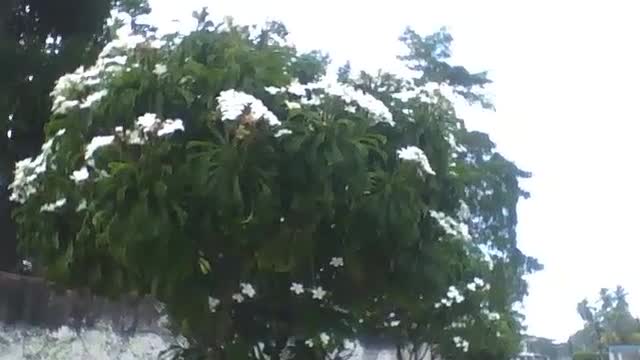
(276, 212)
(40, 41)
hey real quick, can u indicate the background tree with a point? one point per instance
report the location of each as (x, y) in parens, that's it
(607, 322)
(39, 42)
(274, 210)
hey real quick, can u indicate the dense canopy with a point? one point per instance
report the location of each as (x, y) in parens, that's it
(275, 209)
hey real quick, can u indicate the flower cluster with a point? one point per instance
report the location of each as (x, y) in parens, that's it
(150, 124)
(245, 290)
(323, 337)
(233, 104)
(85, 87)
(317, 293)
(392, 321)
(491, 315)
(28, 170)
(461, 343)
(414, 153)
(96, 143)
(213, 304)
(348, 94)
(476, 283)
(457, 325)
(453, 296)
(146, 125)
(336, 262)
(67, 93)
(462, 322)
(451, 226)
(51, 207)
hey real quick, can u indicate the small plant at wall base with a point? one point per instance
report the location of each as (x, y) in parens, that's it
(275, 212)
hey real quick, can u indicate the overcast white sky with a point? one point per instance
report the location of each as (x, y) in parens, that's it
(566, 76)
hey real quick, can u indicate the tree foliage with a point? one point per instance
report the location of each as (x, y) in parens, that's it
(607, 322)
(274, 210)
(39, 42)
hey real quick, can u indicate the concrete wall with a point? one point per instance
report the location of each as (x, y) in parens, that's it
(33, 301)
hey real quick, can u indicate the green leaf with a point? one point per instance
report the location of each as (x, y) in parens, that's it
(205, 267)
(160, 189)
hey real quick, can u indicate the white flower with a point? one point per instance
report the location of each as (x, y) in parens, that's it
(297, 288)
(82, 205)
(135, 137)
(451, 226)
(413, 153)
(447, 302)
(157, 44)
(213, 304)
(394, 323)
(494, 316)
(471, 286)
(148, 122)
(324, 338)
(283, 132)
(27, 265)
(238, 298)
(318, 293)
(461, 343)
(160, 69)
(120, 60)
(366, 101)
(453, 295)
(273, 90)
(93, 98)
(232, 104)
(62, 106)
(291, 105)
(247, 289)
(464, 213)
(457, 325)
(336, 262)
(96, 143)
(315, 100)
(80, 175)
(478, 281)
(170, 126)
(350, 108)
(51, 207)
(309, 343)
(297, 89)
